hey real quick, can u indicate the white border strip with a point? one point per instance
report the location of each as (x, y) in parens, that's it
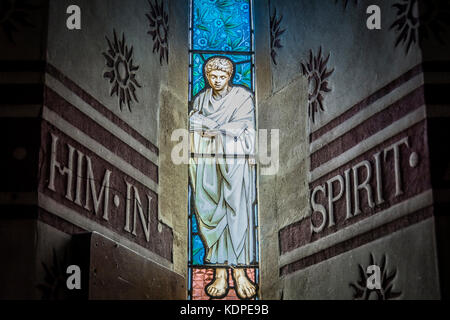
(377, 106)
(101, 120)
(397, 211)
(76, 218)
(98, 149)
(362, 147)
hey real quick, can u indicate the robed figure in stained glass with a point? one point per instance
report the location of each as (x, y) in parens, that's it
(222, 123)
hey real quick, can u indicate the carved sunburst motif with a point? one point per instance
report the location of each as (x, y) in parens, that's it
(15, 14)
(361, 292)
(315, 69)
(159, 29)
(275, 34)
(121, 71)
(413, 26)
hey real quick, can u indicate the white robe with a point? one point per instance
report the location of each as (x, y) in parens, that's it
(224, 191)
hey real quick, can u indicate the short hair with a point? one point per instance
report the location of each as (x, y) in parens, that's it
(221, 64)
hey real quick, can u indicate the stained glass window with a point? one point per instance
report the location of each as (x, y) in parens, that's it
(223, 226)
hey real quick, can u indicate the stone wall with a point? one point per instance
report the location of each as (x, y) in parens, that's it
(372, 195)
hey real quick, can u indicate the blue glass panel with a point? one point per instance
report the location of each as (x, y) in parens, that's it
(194, 224)
(198, 81)
(221, 25)
(198, 251)
(237, 58)
(242, 75)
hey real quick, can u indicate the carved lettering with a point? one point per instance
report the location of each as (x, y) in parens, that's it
(318, 208)
(54, 164)
(359, 187)
(79, 178)
(91, 190)
(89, 185)
(137, 208)
(332, 199)
(365, 185)
(396, 149)
(348, 191)
(128, 207)
(380, 199)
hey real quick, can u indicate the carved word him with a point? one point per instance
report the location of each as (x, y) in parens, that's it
(74, 175)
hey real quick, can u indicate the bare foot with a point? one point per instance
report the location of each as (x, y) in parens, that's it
(219, 287)
(244, 288)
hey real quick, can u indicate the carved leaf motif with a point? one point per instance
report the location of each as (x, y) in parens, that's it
(152, 22)
(431, 23)
(114, 89)
(326, 74)
(275, 34)
(109, 75)
(109, 60)
(387, 282)
(128, 55)
(358, 292)
(277, 44)
(122, 44)
(159, 20)
(324, 87)
(304, 69)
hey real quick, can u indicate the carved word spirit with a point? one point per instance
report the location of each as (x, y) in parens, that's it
(351, 186)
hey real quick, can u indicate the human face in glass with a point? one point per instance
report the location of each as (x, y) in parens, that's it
(218, 80)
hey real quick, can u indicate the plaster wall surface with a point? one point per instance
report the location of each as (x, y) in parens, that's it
(409, 257)
(79, 54)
